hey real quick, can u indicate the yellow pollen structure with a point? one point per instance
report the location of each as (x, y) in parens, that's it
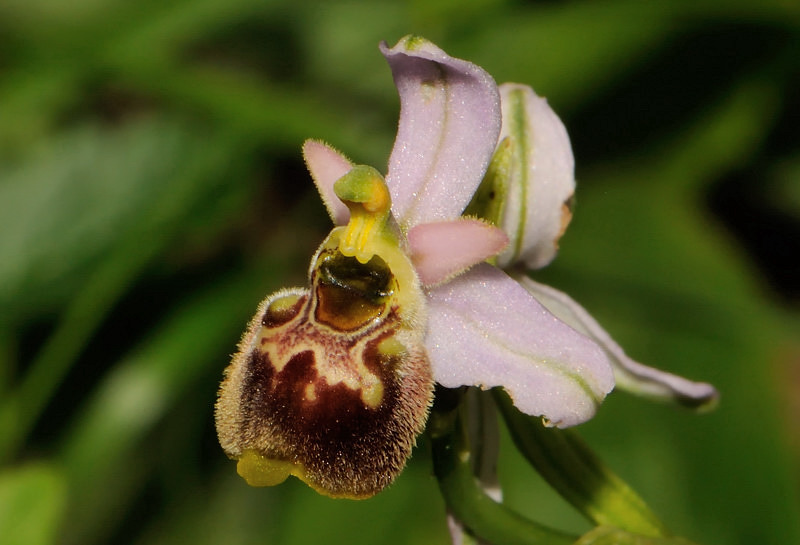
(364, 192)
(356, 239)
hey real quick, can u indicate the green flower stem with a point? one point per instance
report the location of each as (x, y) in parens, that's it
(483, 428)
(605, 535)
(480, 514)
(578, 475)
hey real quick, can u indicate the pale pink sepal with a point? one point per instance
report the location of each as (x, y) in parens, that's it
(630, 375)
(486, 330)
(449, 122)
(440, 250)
(327, 165)
(542, 181)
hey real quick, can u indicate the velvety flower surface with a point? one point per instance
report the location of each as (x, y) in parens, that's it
(485, 328)
(401, 293)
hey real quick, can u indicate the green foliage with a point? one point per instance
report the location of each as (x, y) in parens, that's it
(152, 191)
(32, 502)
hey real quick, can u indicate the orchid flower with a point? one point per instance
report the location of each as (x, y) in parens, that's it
(333, 383)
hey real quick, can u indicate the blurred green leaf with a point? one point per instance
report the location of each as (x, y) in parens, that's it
(566, 51)
(68, 206)
(107, 444)
(578, 475)
(83, 220)
(785, 187)
(199, 99)
(32, 504)
(606, 535)
(27, 102)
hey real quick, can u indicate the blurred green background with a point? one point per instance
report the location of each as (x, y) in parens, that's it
(152, 191)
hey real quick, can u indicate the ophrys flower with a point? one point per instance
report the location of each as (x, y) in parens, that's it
(332, 383)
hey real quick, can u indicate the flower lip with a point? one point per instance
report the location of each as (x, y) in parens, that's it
(401, 294)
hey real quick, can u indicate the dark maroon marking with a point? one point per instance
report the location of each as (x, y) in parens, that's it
(345, 446)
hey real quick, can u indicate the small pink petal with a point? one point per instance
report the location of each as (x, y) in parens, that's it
(449, 122)
(327, 165)
(444, 249)
(484, 329)
(631, 375)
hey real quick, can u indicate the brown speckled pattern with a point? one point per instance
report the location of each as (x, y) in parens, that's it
(295, 392)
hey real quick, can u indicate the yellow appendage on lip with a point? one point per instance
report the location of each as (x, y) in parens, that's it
(372, 394)
(258, 470)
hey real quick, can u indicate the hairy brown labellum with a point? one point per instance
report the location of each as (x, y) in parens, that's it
(330, 384)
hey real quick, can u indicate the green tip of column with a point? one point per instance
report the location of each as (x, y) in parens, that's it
(365, 186)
